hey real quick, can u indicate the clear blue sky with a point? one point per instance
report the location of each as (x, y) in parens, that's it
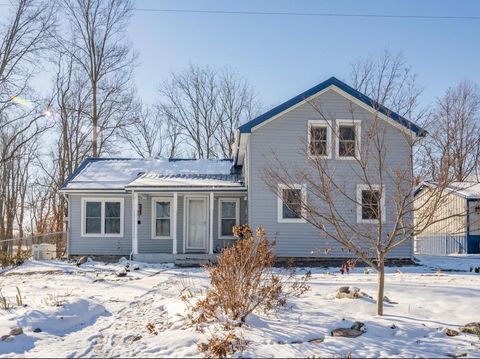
(282, 56)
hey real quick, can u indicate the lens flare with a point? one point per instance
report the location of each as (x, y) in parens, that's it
(21, 101)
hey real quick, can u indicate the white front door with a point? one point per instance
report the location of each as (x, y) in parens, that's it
(196, 224)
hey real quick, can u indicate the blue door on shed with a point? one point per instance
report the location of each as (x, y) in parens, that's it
(473, 238)
(473, 244)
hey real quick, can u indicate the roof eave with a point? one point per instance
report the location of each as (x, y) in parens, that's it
(247, 127)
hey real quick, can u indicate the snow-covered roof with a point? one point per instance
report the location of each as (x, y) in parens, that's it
(154, 180)
(117, 173)
(466, 189)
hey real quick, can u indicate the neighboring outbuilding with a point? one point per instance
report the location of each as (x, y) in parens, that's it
(459, 232)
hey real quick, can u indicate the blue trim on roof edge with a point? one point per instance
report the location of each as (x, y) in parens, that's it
(77, 170)
(247, 127)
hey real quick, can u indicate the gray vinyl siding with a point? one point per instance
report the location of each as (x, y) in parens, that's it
(147, 244)
(79, 245)
(285, 138)
(220, 243)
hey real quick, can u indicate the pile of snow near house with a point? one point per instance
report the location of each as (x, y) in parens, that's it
(70, 311)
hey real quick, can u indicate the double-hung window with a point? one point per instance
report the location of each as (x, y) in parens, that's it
(371, 204)
(348, 139)
(290, 205)
(102, 217)
(228, 215)
(319, 137)
(162, 218)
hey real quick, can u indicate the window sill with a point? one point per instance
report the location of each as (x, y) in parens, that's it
(162, 237)
(323, 157)
(226, 237)
(369, 221)
(99, 235)
(297, 220)
(346, 158)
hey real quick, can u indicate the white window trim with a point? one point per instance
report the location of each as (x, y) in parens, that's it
(363, 187)
(280, 218)
(358, 138)
(237, 215)
(102, 233)
(154, 216)
(320, 123)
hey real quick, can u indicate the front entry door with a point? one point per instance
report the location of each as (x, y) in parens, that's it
(197, 224)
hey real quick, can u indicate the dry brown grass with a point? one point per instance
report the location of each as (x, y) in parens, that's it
(9, 259)
(244, 281)
(220, 346)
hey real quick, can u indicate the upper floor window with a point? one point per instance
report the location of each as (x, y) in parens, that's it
(102, 217)
(162, 220)
(348, 139)
(290, 205)
(371, 204)
(228, 215)
(319, 137)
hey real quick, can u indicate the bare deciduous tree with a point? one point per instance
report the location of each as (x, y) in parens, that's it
(24, 38)
(455, 133)
(150, 135)
(98, 48)
(346, 202)
(24, 41)
(207, 105)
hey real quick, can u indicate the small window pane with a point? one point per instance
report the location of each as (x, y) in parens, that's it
(112, 225)
(346, 149)
(93, 209)
(162, 227)
(228, 209)
(93, 225)
(112, 209)
(318, 141)
(346, 141)
(318, 133)
(347, 133)
(163, 209)
(370, 204)
(227, 226)
(292, 203)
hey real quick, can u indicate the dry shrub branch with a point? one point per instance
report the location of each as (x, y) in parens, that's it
(244, 280)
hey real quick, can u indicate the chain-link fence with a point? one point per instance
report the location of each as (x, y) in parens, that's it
(38, 246)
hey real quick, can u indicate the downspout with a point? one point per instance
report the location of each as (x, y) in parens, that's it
(467, 237)
(133, 225)
(68, 224)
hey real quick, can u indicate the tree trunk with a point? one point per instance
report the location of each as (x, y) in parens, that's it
(94, 121)
(381, 285)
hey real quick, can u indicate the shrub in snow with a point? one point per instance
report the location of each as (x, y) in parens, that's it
(244, 281)
(220, 346)
(7, 258)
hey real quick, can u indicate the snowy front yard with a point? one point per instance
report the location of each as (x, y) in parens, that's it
(88, 311)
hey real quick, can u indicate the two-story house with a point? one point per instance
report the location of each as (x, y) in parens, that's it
(168, 209)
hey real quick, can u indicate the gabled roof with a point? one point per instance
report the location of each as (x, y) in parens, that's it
(117, 173)
(332, 81)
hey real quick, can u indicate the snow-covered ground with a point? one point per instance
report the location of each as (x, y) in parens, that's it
(88, 311)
